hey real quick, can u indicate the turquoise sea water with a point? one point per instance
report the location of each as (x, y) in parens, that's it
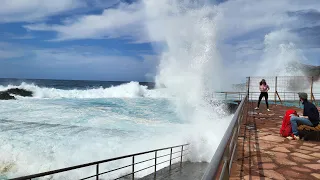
(69, 123)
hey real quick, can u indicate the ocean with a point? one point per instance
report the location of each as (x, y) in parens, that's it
(68, 123)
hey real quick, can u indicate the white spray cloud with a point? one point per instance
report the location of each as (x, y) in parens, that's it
(280, 55)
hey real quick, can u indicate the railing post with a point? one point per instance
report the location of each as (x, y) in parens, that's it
(248, 85)
(311, 89)
(155, 163)
(275, 90)
(170, 158)
(225, 172)
(132, 167)
(181, 155)
(97, 172)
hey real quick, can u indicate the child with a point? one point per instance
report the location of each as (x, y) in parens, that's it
(264, 88)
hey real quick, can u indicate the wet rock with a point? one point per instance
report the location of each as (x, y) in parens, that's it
(6, 96)
(20, 92)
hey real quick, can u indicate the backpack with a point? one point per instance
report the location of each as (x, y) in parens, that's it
(286, 129)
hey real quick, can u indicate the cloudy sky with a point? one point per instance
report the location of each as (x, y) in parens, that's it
(111, 39)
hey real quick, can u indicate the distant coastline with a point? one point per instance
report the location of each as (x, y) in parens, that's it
(30, 79)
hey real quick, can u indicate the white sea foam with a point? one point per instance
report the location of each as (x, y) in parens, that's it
(129, 90)
(44, 134)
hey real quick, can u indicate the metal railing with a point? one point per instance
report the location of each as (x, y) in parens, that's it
(98, 173)
(273, 96)
(220, 164)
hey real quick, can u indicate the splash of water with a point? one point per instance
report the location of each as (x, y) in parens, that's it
(128, 90)
(190, 66)
(282, 54)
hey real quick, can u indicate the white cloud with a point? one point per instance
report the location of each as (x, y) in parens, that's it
(239, 17)
(82, 61)
(236, 18)
(31, 10)
(125, 21)
(87, 65)
(238, 26)
(8, 50)
(36, 10)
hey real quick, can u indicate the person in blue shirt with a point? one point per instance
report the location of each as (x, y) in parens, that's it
(310, 115)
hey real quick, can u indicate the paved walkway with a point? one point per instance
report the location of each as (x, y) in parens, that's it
(263, 154)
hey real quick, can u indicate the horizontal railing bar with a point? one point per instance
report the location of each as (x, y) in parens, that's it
(89, 177)
(159, 157)
(162, 156)
(115, 169)
(163, 162)
(92, 163)
(159, 163)
(144, 161)
(144, 168)
(168, 154)
(177, 152)
(176, 157)
(138, 163)
(255, 92)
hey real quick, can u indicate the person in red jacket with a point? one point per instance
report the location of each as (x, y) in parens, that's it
(286, 129)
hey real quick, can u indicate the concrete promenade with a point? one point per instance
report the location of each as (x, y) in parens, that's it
(263, 154)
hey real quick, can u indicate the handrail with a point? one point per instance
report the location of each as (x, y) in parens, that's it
(243, 92)
(285, 96)
(29, 177)
(226, 149)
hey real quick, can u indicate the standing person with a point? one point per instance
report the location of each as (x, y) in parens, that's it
(264, 88)
(310, 115)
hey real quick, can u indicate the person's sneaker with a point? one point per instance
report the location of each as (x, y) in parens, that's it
(296, 137)
(290, 137)
(256, 108)
(268, 109)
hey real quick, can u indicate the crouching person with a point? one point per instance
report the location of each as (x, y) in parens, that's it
(310, 115)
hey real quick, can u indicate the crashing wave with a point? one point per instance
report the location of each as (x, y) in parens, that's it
(129, 90)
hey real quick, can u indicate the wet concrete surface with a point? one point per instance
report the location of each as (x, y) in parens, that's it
(188, 171)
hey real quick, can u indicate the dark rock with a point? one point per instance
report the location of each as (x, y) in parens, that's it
(232, 107)
(19, 92)
(310, 70)
(6, 96)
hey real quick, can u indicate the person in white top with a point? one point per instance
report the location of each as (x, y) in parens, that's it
(264, 88)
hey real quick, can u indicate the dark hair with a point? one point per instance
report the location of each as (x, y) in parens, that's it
(263, 81)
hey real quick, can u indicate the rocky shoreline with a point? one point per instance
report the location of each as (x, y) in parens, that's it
(9, 94)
